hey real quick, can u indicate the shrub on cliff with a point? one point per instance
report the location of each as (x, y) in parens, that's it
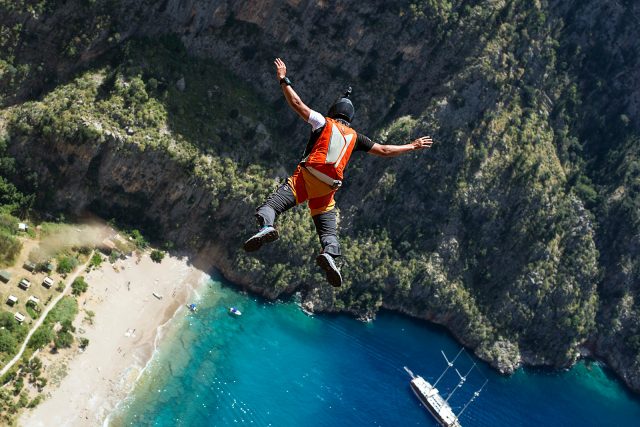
(139, 239)
(157, 256)
(11, 200)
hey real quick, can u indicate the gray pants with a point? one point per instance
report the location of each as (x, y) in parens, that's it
(282, 200)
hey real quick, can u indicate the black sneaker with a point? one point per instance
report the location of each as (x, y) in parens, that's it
(326, 262)
(265, 235)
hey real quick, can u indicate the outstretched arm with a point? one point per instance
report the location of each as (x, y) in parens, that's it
(290, 95)
(394, 150)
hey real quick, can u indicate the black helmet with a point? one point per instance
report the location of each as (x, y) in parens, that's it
(343, 108)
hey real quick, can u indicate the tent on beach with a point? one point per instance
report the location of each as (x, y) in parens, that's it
(5, 276)
(47, 282)
(24, 284)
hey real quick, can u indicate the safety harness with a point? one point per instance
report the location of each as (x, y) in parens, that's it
(333, 183)
(330, 153)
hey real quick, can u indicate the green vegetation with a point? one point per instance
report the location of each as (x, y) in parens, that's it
(8, 323)
(9, 246)
(17, 397)
(33, 309)
(7, 342)
(79, 286)
(83, 342)
(66, 264)
(41, 337)
(157, 256)
(63, 339)
(114, 256)
(11, 333)
(96, 260)
(12, 202)
(139, 239)
(89, 315)
(64, 313)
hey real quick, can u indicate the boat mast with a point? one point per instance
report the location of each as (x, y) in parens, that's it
(449, 365)
(462, 380)
(475, 395)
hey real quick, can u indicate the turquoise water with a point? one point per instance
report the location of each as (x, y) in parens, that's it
(274, 366)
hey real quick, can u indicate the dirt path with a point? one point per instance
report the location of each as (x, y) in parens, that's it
(43, 316)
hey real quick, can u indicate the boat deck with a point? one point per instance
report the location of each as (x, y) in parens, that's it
(432, 400)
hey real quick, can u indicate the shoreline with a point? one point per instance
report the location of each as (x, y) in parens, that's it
(128, 326)
(161, 334)
(102, 412)
(98, 408)
(586, 351)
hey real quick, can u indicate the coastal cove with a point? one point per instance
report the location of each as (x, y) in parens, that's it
(276, 366)
(518, 230)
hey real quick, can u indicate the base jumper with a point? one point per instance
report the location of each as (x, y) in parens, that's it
(320, 173)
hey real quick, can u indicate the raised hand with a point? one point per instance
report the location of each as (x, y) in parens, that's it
(422, 142)
(281, 68)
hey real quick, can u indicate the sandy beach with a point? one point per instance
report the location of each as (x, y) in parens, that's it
(122, 338)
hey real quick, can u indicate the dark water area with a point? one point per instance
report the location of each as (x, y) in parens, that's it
(275, 366)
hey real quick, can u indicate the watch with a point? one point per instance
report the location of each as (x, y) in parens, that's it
(285, 80)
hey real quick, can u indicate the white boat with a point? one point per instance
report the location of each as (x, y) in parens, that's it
(431, 399)
(307, 312)
(437, 405)
(234, 311)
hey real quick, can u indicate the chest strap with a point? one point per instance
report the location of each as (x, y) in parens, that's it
(333, 183)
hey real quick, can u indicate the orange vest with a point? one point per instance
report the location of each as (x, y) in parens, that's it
(332, 150)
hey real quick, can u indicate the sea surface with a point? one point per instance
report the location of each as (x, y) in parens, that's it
(276, 366)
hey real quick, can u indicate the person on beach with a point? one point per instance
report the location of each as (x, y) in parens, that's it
(320, 173)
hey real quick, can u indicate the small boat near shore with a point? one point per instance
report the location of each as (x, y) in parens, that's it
(234, 311)
(192, 307)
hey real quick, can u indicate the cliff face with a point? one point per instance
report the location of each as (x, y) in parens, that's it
(518, 230)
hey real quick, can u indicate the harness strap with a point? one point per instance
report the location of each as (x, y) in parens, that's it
(333, 183)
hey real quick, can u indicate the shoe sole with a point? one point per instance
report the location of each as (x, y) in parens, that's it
(333, 277)
(255, 243)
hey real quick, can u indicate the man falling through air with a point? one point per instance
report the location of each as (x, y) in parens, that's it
(319, 175)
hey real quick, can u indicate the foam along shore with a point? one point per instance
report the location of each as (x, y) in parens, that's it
(128, 317)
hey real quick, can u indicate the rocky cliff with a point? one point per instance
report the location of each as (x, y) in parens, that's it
(519, 230)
